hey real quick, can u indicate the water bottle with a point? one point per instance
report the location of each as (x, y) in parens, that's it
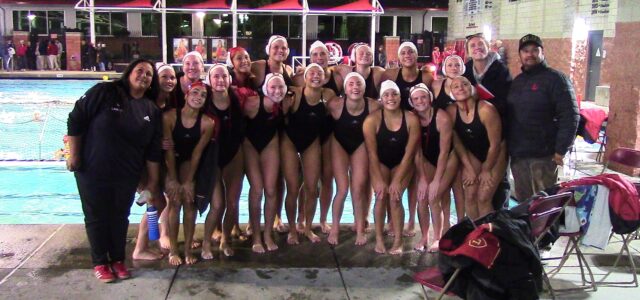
(152, 223)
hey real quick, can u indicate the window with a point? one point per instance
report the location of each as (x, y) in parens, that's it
(106, 23)
(357, 28)
(404, 27)
(295, 26)
(44, 22)
(185, 24)
(281, 25)
(386, 26)
(150, 24)
(325, 27)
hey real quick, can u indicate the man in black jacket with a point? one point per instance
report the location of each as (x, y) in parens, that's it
(542, 120)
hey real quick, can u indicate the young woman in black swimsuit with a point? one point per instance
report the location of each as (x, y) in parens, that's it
(305, 115)
(190, 130)
(407, 76)
(230, 136)
(362, 57)
(391, 138)
(262, 156)
(319, 54)
(478, 144)
(452, 67)
(349, 155)
(436, 166)
(278, 50)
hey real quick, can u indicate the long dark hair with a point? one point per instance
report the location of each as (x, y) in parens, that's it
(154, 88)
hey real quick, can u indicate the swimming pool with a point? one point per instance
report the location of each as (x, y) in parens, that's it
(36, 190)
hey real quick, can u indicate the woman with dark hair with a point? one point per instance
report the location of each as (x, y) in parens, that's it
(190, 131)
(114, 131)
(142, 251)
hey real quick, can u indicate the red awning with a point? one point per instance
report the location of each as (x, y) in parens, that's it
(284, 4)
(207, 4)
(125, 3)
(358, 5)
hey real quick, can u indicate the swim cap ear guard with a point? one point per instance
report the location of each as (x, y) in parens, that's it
(215, 66)
(274, 38)
(269, 77)
(352, 74)
(463, 68)
(420, 87)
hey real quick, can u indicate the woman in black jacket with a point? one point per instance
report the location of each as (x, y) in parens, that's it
(114, 132)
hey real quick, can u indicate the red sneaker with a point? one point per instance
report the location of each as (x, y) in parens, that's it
(104, 274)
(120, 270)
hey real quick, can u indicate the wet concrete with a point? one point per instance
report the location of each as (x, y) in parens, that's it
(225, 283)
(381, 283)
(63, 283)
(17, 242)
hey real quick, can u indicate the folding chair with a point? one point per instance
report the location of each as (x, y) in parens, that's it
(544, 212)
(631, 158)
(432, 278)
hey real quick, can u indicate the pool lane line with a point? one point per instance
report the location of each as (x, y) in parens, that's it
(30, 255)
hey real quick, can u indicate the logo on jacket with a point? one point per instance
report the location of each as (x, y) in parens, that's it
(534, 87)
(146, 118)
(478, 243)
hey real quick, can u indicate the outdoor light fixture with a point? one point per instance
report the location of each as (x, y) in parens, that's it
(31, 16)
(580, 29)
(486, 31)
(217, 21)
(200, 14)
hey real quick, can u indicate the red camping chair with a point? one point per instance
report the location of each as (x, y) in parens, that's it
(631, 158)
(544, 212)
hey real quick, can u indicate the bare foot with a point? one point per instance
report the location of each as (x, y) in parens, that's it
(226, 249)
(361, 239)
(326, 228)
(435, 246)
(409, 232)
(236, 232)
(271, 245)
(380, 249)
(312, 237)
(333, 236)
(391, 233)
(396, 251)
(196, 244)
(146, 255)
(421, 245)
(248, 231)
(189, 258)
(206, 254)
(367, 227)
(300, 227)
(165, 243)
(292, 238)
(175, 260)
(257, 248)
(216, 236)
(280, 227)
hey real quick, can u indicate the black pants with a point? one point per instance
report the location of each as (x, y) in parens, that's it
(106, 210)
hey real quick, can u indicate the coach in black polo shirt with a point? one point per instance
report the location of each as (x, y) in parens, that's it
(542, 118)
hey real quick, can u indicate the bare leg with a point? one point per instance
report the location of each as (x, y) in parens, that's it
(326, 189)
(380, 210)
(233, 175)
(256, 187)
(413, 204)
(290, 165)
(142, 250)
(359, 188)
(213, 216)
(173, 208)
(311, 169)
(269, 164)
(340, 162)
